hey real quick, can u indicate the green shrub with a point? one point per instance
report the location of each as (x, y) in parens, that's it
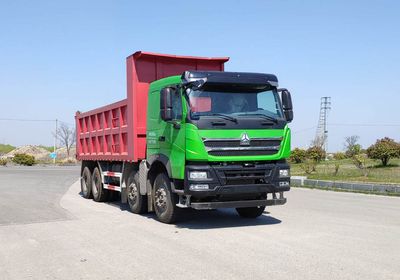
(315, 153)
(24, 159)
(339, 156)
(3, 162)
(298, 155)
(337, 166)
(360, 162)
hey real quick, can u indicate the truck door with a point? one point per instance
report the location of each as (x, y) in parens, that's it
(173, 144)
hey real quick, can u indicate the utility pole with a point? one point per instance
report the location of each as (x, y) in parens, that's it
(321, 136)
(55, 142)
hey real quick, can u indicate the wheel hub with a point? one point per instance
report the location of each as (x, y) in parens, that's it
(97, 185)
(161, 199)
(133, 193)
(84, 181)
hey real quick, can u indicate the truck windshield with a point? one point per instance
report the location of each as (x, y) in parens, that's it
(240, 103)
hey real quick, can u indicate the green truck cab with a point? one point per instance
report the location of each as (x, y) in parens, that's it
(224, 139)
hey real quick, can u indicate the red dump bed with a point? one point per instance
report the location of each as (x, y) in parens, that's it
(117, 132)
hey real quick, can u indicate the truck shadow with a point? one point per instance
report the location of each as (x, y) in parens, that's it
(208, 219)
(222, 218)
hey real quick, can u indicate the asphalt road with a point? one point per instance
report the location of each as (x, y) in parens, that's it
(48, 231)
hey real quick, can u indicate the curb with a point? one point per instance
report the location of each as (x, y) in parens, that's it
(372, 187)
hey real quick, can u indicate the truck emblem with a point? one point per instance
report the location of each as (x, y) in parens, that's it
(244, 140)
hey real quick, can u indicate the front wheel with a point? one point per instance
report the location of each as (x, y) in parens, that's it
(250, 212)
(165, 201)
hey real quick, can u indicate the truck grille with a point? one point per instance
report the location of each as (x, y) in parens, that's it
(232, 146)
(259, 174)
(241, 153)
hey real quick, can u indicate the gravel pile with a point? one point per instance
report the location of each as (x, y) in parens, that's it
(38, 152)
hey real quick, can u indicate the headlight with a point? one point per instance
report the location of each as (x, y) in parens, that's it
(284, 173)
(197, 175)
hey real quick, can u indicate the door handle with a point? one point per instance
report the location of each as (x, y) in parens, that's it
(161, 138)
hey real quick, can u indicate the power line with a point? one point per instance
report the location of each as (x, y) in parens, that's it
(34, 120)
(347, 124)
(27, 120)
(304, 130)
(362, 124)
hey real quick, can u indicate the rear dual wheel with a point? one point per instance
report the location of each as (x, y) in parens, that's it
(137, 202)
(86, 183)
(99, 193)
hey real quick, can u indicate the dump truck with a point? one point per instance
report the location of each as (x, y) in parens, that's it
(188, 135)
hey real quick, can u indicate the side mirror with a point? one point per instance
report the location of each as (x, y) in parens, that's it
(166, 104)
(287, 104)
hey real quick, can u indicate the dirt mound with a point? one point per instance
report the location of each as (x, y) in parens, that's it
(38, 152)
(62, 153)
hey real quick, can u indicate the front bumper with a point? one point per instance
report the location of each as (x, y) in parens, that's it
(238, 180)
(237, 204)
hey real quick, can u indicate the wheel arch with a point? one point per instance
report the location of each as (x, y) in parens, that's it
(158, 163)
(88, 163)
(156, 168)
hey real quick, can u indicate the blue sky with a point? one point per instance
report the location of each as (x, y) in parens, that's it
(58, 57)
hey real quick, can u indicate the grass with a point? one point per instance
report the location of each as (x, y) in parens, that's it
(351, 191)
(47, 148)
(376, 173)
(5, 148)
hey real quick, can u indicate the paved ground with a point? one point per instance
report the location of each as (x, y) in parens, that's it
(32, 194)
(317, 235)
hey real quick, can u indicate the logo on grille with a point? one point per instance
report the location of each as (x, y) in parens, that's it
(244, 140)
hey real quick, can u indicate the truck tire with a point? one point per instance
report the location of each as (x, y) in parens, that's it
(99, 193)
(250, 212)
(165, 201)
(137, 202)
(86, 183)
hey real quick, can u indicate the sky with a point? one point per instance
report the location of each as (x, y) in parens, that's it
(57, 57)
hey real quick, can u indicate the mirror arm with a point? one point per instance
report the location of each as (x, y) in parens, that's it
(176, 125)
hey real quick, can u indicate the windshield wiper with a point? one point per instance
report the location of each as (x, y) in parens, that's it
(263, 116)
(224, 116)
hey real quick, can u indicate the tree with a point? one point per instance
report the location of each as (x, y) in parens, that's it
(384, 149)
(351, 146)
(318, 142)
(66, 136)
(315, 153)
(298, 155)
(360, 162)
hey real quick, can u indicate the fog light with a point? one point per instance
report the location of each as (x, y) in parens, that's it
(199, 187)
(284, 173)
(197, 175)
(283, 184)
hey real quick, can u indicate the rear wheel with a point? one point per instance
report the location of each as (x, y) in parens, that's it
(137, 202)
(86, 183)
(250, 212)
(165, 201)
(99, 193)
